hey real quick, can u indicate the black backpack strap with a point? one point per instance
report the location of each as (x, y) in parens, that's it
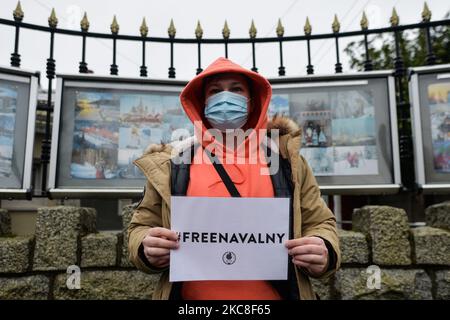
(224, 175)
(180, 172)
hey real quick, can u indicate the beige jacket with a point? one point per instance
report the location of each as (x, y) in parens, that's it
(312, 217)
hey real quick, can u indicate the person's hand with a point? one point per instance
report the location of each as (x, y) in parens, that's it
(310, 253)
(157, 244)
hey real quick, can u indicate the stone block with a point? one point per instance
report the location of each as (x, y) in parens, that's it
(15, 254)
(25, 288)
(354, 247)
(438, 215)
(99, 249)
(431, 246)
(387, 230)
(58, 231)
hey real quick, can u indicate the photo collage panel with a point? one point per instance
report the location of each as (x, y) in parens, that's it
(338, 129)
(114, 129)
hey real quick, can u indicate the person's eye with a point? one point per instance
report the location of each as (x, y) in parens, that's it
(237, 89)
(214, 91)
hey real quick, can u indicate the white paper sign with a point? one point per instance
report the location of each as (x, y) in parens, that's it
(229, 238)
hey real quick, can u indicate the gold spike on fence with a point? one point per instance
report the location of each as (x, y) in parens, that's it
(114, 26)
(172, 31)
(364, 22)
(307, 28)
(226, 31)
(18, 12)
(394, 20)
(143, 28)
(280, 29)
(53, 20)
(198, 31)
(336, 25)
(252, 30)
(426, 13)
(84, 23)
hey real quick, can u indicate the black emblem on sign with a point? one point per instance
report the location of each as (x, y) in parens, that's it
(229, 257)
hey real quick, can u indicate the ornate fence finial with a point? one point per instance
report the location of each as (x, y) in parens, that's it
(252, 30)
(426, 13)
(364, 22)
(84, 23)
(172, 31)
(143, 29)
(336, 25)
(52, 20)
(307, 28)
(18, 13)
(226, 31)
(395, 20)
(280, 29)
(198, 31)
(114, 26)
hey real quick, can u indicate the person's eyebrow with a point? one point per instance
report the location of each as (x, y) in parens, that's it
(236, 82)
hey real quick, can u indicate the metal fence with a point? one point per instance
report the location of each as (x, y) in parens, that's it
(405, 141)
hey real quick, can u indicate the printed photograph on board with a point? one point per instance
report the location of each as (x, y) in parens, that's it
(94, 153)
(439, 107)
(279, 105)
(355, 160)
(312, 112)
(321, 160)
(96, 106)
(316, 127)
(96, 135)
(353, 122)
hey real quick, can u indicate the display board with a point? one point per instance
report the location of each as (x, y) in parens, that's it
(102, 124)
(18, 100)
(429, 89)
(349, 129)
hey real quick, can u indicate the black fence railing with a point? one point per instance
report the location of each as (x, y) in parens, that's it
(405, 141)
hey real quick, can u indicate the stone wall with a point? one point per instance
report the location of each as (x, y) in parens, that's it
(36, 267)
(411, 263)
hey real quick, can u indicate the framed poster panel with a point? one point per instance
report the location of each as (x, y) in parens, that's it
(349, 129)
(429, 89)
(101, 125)
(18, 100)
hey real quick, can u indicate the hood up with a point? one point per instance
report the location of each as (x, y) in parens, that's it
(193, 98)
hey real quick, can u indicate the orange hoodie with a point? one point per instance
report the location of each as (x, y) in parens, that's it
(205, 182)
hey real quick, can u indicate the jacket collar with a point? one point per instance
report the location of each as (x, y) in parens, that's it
(155, 163)
(287, 127)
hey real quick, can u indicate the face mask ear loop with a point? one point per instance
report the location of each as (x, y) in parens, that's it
(249, 105)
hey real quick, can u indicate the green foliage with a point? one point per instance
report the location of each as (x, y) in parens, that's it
(413, 48)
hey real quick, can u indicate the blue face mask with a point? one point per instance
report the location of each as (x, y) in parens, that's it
(226, 110)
